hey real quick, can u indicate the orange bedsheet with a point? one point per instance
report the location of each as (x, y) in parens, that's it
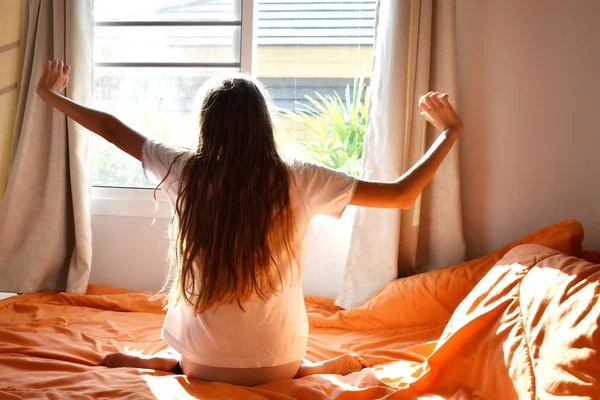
(50, 342)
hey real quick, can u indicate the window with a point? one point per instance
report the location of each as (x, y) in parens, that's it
(151, 56)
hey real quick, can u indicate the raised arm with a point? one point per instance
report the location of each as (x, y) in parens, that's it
(54, 80)
(403, 192)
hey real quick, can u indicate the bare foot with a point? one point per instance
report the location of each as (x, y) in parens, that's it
(341, 365)
(122, 360)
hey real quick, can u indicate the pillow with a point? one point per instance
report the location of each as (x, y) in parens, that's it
(529, 329)
(430, 298)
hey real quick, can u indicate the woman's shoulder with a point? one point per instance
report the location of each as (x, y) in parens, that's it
(162, 147)
(309, 175)
(158, 159)
(308, 168)
(165, 153)
(302, 166)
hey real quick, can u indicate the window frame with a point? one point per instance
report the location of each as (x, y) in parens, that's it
(126, 201)
(140, 202)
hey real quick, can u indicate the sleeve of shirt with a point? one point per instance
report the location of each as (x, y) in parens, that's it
(324, 190)
(157, 158)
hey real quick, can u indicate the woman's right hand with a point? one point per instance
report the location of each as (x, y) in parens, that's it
(439, 112)
(55, 78)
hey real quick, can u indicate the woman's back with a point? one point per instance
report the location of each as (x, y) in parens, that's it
(263, 332)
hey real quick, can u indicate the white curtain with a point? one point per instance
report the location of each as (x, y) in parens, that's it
(45, 228)
(9, 76)
(414, 52)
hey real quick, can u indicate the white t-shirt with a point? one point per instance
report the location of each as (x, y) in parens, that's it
(270, 332)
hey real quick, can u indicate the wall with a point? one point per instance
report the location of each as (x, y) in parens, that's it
(10, 31)
(529, 97)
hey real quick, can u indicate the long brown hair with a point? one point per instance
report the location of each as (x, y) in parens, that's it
(234, 225)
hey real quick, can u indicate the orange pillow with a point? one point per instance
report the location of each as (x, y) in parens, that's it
(529, 329)
(430, 298)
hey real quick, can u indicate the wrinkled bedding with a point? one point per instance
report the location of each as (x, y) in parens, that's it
(519, 323)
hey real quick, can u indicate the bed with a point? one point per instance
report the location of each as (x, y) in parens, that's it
(519, 323)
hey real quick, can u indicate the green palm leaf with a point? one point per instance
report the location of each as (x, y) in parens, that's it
(339, 126)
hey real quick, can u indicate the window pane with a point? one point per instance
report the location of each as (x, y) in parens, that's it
(167, 44)
(311, 49)
(158, 102)
(304, 49)
(167, 10)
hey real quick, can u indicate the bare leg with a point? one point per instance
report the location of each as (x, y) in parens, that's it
(165, 360)
(341, 365)
(168, 360)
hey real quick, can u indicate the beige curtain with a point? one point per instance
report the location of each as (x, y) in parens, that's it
(45, 231)
(414, 52)
(10, 32)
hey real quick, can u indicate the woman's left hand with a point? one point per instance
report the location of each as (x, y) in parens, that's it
(55, 78)
(439, 112)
